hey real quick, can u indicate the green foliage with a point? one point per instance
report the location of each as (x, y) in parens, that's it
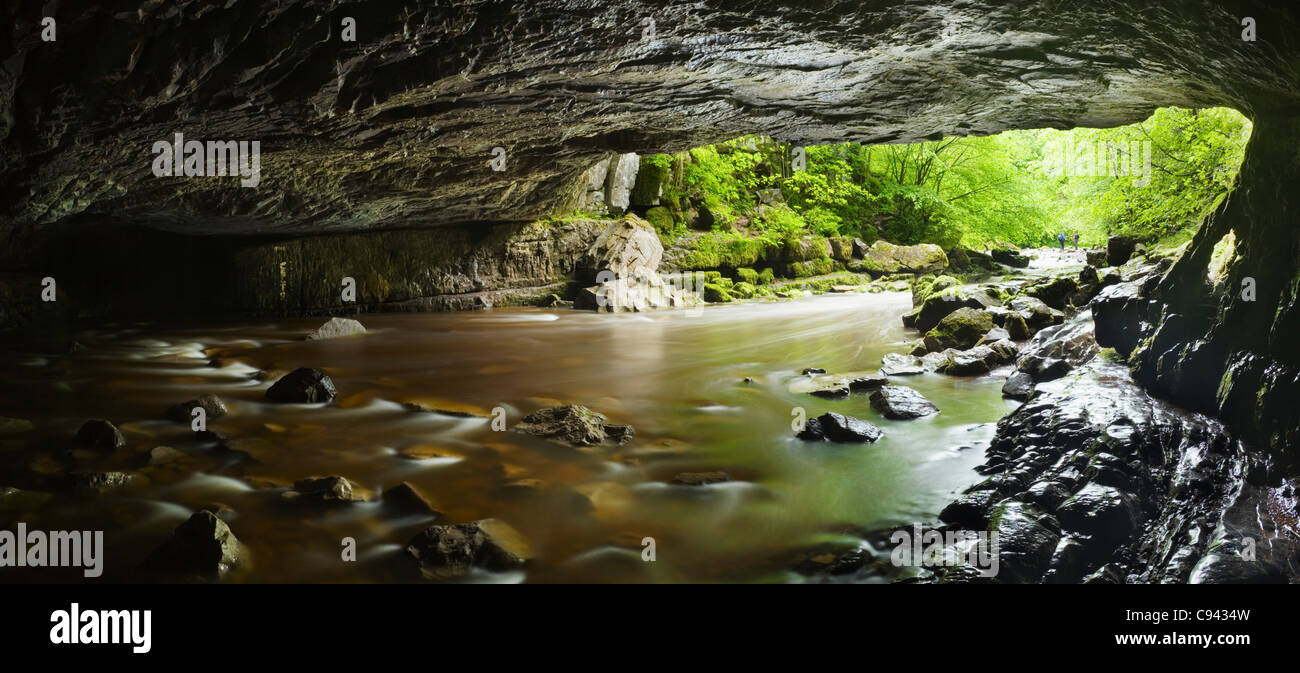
(662, 219)
(980, 193)
(1194, 156)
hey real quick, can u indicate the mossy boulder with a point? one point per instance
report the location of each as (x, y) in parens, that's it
(939, 304)
(884, 257)
(766, 276)
(960, 329)
(747, 275)
(1016, 326)
(926, 286)
(716, 294)
(743, 290)
(813, 267)
(800, 250)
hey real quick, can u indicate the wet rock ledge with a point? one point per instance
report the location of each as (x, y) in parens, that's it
(1093, 480)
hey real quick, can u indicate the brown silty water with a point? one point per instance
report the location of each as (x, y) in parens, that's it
(677, 376)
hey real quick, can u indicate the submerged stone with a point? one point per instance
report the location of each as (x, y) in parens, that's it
(302, 386)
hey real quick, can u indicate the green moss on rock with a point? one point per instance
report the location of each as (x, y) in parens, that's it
(960, 329)
(716, 294)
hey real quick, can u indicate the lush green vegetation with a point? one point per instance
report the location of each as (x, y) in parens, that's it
(1018, 188)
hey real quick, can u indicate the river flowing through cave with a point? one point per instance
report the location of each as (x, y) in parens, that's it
(678, 377)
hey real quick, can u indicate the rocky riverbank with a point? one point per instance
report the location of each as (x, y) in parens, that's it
(1093, 479)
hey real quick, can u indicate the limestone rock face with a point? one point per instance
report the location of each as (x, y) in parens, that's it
(627, 248)
(624, 262)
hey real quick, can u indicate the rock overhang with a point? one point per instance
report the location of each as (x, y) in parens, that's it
(398, 129)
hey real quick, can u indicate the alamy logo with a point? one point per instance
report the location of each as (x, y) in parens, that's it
(102, 627)
(53, 549)
(1101, 159)
(951, 548)
(214, 158)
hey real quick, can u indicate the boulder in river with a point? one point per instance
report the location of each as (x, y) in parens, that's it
(897, 364)
(1018, 386)
(337, 327)
(211, 405)
(333, 490)
(839, 428)
(701, 478)
(100, 434)
(450, 551)
(202, 547)
(960, 329)
(406, 498)
(937, 306)
(901, 403)
(302, 386)
(1016, 327)
(99, 483)
(575, 425)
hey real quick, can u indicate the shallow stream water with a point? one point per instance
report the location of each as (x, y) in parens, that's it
(678, 377)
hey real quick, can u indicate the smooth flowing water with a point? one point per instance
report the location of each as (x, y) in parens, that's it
(677, 377)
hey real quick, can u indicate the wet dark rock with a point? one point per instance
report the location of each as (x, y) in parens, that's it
(1103, 513)
(1129, 479)
(333, 490)
(1016, 327)
(970, 511)
(901, 403)
(700, 478)
(302, 386)
(406, 498)
(337, 327)
(1069, 562)
(201, 548)
(1057, 350)
(995, 334)
(574, 425)
(972, 362)
(1119, 249)
(100, 483)
(211, 405)
(1025, 541)
(1036, 312)
(839, 428)
(1011, 258)
(809, 371)
(1018, 386)
(897, 364)
(862, 383)
(1096, 257)
(451, 551)
(1046, 495)
(100, 434)
(161, 455)
(846, 429)
(1055, 292)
